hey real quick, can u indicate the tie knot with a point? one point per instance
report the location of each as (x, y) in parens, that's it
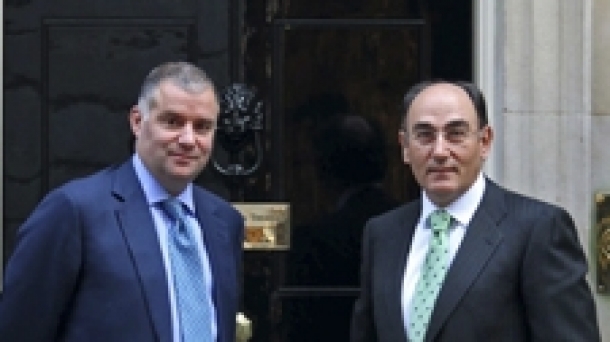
(173, 208)
(439, 220)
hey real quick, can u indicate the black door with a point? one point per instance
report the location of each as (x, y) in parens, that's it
(312, 60)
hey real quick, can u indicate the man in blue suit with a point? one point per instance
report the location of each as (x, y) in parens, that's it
(93, 262)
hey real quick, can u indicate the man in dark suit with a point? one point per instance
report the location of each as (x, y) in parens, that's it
(94, 261)
(513, 268)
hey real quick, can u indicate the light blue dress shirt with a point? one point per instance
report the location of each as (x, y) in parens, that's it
(154, 194)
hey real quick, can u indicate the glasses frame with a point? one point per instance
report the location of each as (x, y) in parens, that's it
(431, 141)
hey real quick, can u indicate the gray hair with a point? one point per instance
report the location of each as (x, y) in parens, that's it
(186, 76)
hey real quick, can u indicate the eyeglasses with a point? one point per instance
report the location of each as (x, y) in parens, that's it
(452, 135)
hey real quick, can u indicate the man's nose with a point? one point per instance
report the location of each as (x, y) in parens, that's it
(187, 134)
(440, 145)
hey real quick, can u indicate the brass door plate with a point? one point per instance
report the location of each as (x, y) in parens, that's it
(602, 241)
(267, 225)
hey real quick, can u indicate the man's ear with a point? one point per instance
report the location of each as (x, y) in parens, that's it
(135, 120)
(403, 142)
(487, 136)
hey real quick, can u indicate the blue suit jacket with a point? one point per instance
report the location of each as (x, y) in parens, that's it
(88, 266)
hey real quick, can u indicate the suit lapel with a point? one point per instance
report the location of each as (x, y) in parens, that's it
(399, 247)
(481, 240)
(137, 225)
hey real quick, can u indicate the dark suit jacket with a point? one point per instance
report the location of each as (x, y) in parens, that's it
(88, 266)
(519, 275)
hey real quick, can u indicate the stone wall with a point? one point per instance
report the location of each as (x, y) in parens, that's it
(555, 104)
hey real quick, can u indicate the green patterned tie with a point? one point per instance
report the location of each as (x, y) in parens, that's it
(432, 275)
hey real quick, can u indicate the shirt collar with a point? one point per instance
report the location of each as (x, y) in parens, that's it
(463, 208)
(154, 192)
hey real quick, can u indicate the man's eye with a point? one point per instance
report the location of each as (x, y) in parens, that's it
(170, 121)
(456, 135)
(425, 136)
(204, 127)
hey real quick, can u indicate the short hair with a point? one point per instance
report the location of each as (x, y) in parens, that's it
(184, 75)
(476, 96)
(350, 150)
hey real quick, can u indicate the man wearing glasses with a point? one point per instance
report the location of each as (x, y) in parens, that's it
(469, 261)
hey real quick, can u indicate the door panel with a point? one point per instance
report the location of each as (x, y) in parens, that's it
(333, 67)
(85, 110)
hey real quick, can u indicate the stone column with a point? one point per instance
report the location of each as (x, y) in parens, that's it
(547, 107)
(553, 145)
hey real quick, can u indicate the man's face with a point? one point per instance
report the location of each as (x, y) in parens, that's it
(175, 140)
(443, 143)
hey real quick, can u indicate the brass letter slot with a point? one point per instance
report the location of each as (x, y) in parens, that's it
(267, 225)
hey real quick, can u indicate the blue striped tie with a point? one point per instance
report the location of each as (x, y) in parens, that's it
(194, 312)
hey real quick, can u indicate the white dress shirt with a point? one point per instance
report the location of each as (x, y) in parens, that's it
(155, 194)
(462, 210)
